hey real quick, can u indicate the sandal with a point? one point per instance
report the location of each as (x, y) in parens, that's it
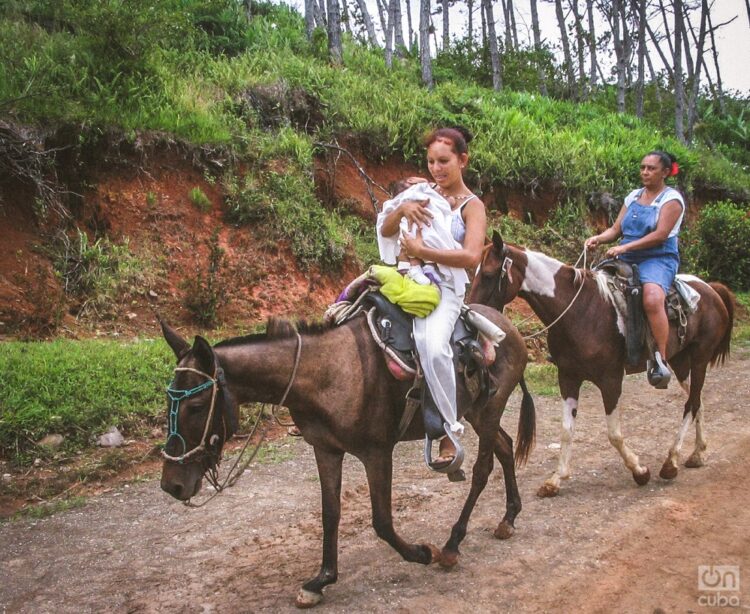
(293, 431)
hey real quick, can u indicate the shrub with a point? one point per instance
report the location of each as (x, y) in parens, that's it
(200, 200)
(206, 292)
(721, 244)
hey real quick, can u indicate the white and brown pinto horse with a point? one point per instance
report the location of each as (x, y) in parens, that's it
(588, 343)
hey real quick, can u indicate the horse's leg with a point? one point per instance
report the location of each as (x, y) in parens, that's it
(611, 389)
(379, 468)
(696, 458)
(692, 412)
(329, 471)
(569, 389)
(479, 475)
(504, 452)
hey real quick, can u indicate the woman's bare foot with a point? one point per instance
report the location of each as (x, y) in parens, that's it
(447, 452)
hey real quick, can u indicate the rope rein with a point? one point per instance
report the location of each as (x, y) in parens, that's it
(558, 318)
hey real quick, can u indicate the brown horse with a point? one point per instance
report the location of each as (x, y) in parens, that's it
(344, 400)
(588, 343)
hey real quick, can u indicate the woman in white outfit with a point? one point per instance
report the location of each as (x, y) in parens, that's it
(447, 157)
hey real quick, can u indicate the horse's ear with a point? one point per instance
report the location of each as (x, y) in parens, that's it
(204, 353)
(497, 241)
(179, 346)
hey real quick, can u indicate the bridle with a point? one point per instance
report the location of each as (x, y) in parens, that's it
(506, 277)
(176, 396)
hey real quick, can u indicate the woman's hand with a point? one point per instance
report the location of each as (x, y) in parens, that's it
(592, 242)
(412, 245)
(416, 212)
(615, 251)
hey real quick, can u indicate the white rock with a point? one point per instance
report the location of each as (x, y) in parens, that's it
(52, 441)
(111, 439)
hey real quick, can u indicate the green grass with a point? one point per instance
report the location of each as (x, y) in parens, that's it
(37, 512)
(542, 379)
(78, 389)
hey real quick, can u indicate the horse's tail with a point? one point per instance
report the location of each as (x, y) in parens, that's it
(727, 297)
(526, 426)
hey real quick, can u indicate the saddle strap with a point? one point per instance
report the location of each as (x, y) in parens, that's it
(413, 403)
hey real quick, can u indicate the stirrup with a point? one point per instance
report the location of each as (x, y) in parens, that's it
(657, 372)
(453, 469)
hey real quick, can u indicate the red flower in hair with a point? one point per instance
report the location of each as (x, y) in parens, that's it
(674, 170)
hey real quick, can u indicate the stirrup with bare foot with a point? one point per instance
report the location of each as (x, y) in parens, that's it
(450, 460)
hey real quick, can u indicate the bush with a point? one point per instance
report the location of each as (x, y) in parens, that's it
(720, 245)
(200, 200)
(206, 292)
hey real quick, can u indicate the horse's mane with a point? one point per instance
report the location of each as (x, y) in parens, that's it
(278, 328)
(281, 328)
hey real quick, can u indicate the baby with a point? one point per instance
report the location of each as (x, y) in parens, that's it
(437, 235)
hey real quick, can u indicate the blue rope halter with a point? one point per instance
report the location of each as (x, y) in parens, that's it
(176, 396)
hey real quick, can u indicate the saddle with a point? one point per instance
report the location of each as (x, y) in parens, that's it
(391, 328)
(623, 279)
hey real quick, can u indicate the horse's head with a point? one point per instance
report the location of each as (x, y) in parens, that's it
(500, 275)
(202, 416)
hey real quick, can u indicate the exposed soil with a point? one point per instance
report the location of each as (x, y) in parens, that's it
(603, 545)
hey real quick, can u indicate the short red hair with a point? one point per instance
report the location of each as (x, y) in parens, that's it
(457, 138)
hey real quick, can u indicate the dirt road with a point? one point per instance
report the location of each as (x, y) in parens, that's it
(603, 545)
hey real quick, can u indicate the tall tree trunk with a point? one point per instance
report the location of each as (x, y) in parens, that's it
(715, 55)
(424, 43)
(506, 20)
(367, 20)
(580, 44)
(309, 18)
(538, 47)
(398, 29)
(389, 33)
(513, 28)
(484, 24)
(383, 14)
(679, 93)
(412, 40)
(446, 26)
(640, 11)
(319, 9)
(619, 44)
(247, 5)
(592, 43)
(345, 17)
(692, 111)
(654, 78)
(665, 19)
(335, 51)
(470, 26)
(565, 45)
(497, 77)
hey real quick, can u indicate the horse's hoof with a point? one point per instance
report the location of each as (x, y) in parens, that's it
(642, 478)
(548, 490)
(668, 471)
(435, 553)
(694, 461)
(504, 530)
(307, 599)
(448, 559)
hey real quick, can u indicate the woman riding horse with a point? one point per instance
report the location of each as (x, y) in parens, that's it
(447, 157)
(649, 223)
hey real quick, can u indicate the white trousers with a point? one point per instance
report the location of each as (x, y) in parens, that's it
(432, 336)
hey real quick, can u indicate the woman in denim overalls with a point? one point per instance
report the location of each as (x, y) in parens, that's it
(649, 223)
